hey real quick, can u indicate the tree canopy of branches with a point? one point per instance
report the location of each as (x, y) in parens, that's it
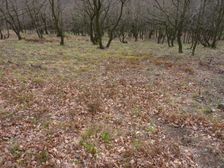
(176, 22)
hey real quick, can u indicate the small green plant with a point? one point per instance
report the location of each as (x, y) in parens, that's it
(207, 110)
(46, 125)
(90, 148)
(39, 81)
(136, 111)
(90, 132)
(151, 128)
(137, 144)
(76, 162)
(16, 151)
(25, 98)
(106, 137)
(43, 156)
(34, 120)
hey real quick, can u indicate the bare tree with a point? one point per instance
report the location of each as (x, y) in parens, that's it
(218, 22)
(33, 8)
(197, 27)
(198, 22)
(11, 14)
(89, 10)
(56, 11)
(175, 20)
(103, 18)
(114, 26)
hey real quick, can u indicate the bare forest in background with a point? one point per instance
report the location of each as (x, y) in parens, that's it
(195, 22)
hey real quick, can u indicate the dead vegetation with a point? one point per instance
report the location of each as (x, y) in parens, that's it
(128, 106)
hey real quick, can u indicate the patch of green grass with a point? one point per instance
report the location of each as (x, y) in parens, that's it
(76, 162)
(84, 69)
(137, 144)
(89, 147)
(34, 120)
(16, 151)
(106, 137)
(39, 81)
(25, 99)
(5, 114)
(87, 137)
(90, 132)
(151, 128)
(43, 156)
(136, 111)
(46, 124)
(207, 110)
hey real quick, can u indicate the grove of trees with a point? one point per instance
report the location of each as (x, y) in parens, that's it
(175, 22)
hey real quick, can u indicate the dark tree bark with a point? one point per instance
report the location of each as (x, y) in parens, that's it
(111, 31)
(12, 18)
(56, 11)
(97, 8)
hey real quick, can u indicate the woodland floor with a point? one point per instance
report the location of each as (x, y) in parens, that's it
(134, 105)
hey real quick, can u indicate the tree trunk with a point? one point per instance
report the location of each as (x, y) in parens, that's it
(62, 40)
(1, 35)
(180, 46)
